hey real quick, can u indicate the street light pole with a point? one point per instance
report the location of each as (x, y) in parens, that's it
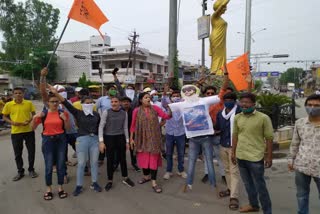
(247, 41)
(172, 35)
(204, 7)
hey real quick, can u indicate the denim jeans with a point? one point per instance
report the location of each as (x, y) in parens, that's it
(216, 155)
(252, 175)
(53, 149)
(194, 148)
(87, 146)
(180, 142)
(303, 189)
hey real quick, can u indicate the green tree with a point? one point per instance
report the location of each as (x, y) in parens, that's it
(291, 75)
(28, 29)
(84, 82)
(175, 81)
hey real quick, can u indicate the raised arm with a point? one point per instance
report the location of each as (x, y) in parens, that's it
(43, 85)
(102, 124)
(117, 82)
(226, 78)
(161, 113)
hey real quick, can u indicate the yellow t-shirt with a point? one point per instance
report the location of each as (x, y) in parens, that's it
(19, 112)
(78, 106)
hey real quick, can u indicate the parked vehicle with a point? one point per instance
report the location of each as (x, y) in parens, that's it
(283, 88)
(290, 86)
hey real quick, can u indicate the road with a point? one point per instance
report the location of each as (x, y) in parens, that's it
(25, 196)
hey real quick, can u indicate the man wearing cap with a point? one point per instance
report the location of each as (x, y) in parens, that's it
(77, 96)
(155, 98)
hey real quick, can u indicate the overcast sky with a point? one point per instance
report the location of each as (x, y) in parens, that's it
(292, 27)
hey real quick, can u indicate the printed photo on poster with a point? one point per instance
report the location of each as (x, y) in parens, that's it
(195, 118)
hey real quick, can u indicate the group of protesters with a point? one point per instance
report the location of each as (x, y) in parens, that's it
(213, 123)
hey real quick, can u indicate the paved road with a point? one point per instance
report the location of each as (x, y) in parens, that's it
(25, 196)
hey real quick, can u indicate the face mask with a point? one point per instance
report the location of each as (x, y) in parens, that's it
(130, 93)
(313, 111)
(112, 92)
(229, 105)
(176, 99)
(155, 98)
(87, 109)
(63, 94)
(248, 110)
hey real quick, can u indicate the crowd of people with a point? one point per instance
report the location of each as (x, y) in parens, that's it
(210, 123)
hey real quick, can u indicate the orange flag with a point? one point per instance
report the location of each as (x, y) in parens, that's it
(87, 12)
(238, 71)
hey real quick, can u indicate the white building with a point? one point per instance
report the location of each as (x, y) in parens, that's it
(86, 57)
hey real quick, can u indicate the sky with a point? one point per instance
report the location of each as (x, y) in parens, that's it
(292, 27)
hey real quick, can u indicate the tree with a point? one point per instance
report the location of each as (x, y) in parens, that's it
(175, 82)
(291, 75)
(29, 33)
(83, 81)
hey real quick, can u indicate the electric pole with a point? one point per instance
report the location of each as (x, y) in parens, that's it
(134, 43)
(172, 36)
(203, 52)
(247, 40)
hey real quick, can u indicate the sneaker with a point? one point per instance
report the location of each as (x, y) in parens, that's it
(77, 191)
(95, 186)
(33, 174)
(136, 168)
(108, 186)
(205, 178)
(128, 182)
(182, 174)
(167, 175)
(18, 177)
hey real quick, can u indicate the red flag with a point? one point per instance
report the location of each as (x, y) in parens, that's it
(87, 12)
(238, 71)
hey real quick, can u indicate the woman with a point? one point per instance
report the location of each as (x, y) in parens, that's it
(87, 141)
(55, 122)
(145, 136)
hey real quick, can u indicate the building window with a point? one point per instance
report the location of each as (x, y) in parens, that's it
(111, 66)
(159, 69)
(150, 67)
(124, 64)
(141, 65)
(95, 65)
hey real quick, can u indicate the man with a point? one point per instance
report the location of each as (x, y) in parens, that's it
(154, 95)
(82, 93)
(252, 134)
(175, 134)
(198, 127)
(19, 114)
(304, 152)
(224, 126)
(77, 96)
(126, 106)
(104, 102)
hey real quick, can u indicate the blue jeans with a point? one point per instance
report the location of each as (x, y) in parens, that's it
(194, 148)
(87, 146)
(252, 175)
(303, 190)
(180, 143)
(53, 150)
(216, 155)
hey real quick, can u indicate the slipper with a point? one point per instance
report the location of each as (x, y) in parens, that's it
(62, 194)
(157, 189)
(248, 209)
(48, 196)
(143, 180)
(224, 194)
(234, 204)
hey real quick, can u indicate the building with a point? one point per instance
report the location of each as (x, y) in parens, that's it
(87, 57)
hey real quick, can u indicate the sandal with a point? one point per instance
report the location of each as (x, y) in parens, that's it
(248, 209)
(143, 180)
(224, 194)
(62, 194)
(157, 189)
(234, 204)
(48, 196)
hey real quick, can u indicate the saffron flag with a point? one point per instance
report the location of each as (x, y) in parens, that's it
(87, 12)
(238, 70)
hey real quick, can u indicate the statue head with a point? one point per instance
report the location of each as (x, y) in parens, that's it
(190, 92)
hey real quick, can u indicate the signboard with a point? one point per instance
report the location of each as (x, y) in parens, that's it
(204, 27)
(129, 79)
(267, 74)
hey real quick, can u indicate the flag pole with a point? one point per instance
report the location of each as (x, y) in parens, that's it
(55, 49)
